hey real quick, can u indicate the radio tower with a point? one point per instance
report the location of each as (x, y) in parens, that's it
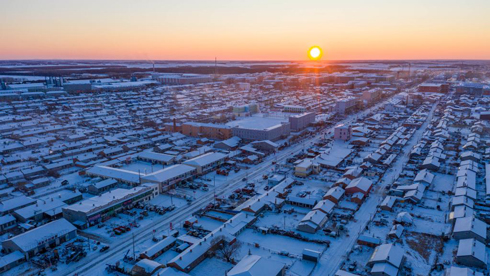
(215, 66)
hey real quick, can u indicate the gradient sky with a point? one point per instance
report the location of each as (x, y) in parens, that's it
(245, 29)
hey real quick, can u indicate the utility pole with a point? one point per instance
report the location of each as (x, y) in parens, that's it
(134, 253)
(214, 189)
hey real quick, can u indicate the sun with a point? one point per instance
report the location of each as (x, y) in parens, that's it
(315, 53)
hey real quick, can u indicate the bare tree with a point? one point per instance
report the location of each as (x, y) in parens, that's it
(225, 250)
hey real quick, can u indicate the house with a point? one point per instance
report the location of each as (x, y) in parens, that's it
(461, 271)
(469, 155)
(471, 252)
(301, 201)
(146, 267)
(357, 198)
(353, 173)
(386, 260)
(431, 163)
(265, 146)
(325, 206)
(311, 255)
(470, 228)
(425, 177)
(334, 194)
(361, 185)
(342, 182)
(388, 203)
(396, 231)
(158, 248)
(228, 144)
(306, 167)
(313, 221)
(254, 265)
(368, 241)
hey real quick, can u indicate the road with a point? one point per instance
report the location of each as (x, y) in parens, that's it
(95, 265)
(336, 254)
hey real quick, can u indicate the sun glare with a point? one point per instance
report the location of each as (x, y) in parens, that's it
(315, 53)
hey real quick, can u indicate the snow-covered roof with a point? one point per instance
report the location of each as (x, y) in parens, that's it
(461, 271)
(424, 176)
(472, 247)
(169, 173)
(148, 266)
(253, 265)
(31, 239)
(104, 200)
(206, 159)
(118, 174)
(471, 224)
(14, 203)
(387, 253)
(156, 156)
(362, 183)
(11, 258)
(157, 247)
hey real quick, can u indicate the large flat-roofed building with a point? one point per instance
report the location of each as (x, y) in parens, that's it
(294, 109)
(124, 176)
(471, 88)
(211, 131)
(177, 79)
(206, 162)
(168, 177)
(261, 128)
(40, 239)
(100, 208)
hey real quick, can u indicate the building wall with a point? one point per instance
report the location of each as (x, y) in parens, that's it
(300, 122)
(271, 134)
(342, 133)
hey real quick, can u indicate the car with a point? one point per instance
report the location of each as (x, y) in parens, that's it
(104, 248)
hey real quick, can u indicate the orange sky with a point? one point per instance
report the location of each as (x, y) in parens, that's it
(244, 30)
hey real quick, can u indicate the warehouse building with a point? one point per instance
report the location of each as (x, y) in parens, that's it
(101, 208)
(40, 239)
(170, 176)
(206, 162)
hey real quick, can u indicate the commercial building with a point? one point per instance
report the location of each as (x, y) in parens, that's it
(211, 131)
(294, 109)
(100, 208)
(170, 176)
(40, 239)
(179, 79)
(476, 89)
(206, 162)
(260, 128)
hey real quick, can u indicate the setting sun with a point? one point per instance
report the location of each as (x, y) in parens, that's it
(315, 53)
